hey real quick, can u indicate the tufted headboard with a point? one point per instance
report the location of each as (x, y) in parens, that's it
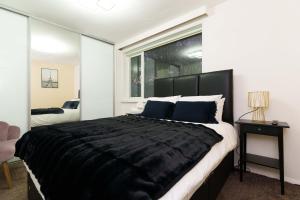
(211, 83)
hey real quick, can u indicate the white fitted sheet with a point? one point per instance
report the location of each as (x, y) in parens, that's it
(191, 181)
(34, 180)
(69, 115)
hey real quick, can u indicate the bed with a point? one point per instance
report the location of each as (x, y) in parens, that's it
(66, 115)
(205, 178)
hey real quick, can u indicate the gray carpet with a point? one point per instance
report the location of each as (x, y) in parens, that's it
(254, 187)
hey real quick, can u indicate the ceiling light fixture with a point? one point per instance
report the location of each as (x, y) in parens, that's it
(89, 4)
(106, 4)
(93, 5)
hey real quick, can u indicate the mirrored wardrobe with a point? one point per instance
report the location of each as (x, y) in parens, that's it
(55, 74)
(50, 74)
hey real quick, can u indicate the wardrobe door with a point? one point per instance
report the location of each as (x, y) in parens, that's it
(96, 79)
(14, 84)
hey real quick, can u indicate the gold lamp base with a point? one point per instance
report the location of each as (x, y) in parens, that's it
(259, 114)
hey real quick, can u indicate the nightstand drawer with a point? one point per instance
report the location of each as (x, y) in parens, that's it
(263, 130)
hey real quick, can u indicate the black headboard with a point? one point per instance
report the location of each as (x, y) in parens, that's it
(211, 83)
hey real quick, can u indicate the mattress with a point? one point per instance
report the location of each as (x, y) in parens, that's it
(69, 115)
(191, 181)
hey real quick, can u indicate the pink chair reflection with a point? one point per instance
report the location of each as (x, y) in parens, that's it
(8, 138)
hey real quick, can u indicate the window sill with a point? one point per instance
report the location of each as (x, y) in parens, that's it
(132, 100)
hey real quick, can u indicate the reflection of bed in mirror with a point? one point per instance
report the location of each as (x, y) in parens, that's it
(54, 74)
(70, 112)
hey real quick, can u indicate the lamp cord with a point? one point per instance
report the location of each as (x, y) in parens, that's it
(239, 162)
(248, 113)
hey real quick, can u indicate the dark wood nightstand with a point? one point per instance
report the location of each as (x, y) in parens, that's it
(261, 128)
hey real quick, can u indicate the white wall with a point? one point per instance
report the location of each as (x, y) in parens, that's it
(14, 83)
(260, 40)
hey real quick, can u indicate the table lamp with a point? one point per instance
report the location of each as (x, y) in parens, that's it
(258, 101)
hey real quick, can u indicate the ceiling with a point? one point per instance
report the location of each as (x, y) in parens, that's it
(127, 19)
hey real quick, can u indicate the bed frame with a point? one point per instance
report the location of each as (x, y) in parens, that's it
(211, 83)
(32, 192)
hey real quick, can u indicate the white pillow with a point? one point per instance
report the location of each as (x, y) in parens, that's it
(201, 98)
(172, 99)
(220, 107)
(141, 105)
(217, 98)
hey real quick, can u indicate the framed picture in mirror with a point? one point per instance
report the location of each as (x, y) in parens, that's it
(49, 78)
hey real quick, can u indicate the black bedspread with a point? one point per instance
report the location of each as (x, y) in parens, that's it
(42, 111)
(120, 158)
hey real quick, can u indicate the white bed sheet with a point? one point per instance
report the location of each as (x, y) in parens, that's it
(69, 115)
(191, 181)
(34, 180)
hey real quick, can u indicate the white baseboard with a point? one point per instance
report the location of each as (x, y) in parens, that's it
(271, 173)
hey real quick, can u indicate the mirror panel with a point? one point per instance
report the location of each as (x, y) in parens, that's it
(55, 74)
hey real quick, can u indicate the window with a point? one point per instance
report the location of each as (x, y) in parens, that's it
(135, 76)
(182, 57)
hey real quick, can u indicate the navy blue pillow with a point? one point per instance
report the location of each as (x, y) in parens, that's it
(70, 105)
(202, 112)
(158, 109)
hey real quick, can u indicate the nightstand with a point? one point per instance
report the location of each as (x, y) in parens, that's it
(261, 128)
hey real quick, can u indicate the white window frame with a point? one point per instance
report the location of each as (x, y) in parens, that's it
(158, 41)
(142, 75)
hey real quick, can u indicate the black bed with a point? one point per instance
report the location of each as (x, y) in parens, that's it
(219, 82)
(211, 83)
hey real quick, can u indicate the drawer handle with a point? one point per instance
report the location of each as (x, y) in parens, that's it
(259, 129)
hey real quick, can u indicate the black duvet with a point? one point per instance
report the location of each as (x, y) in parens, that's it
(42, 111)
(126, 157)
